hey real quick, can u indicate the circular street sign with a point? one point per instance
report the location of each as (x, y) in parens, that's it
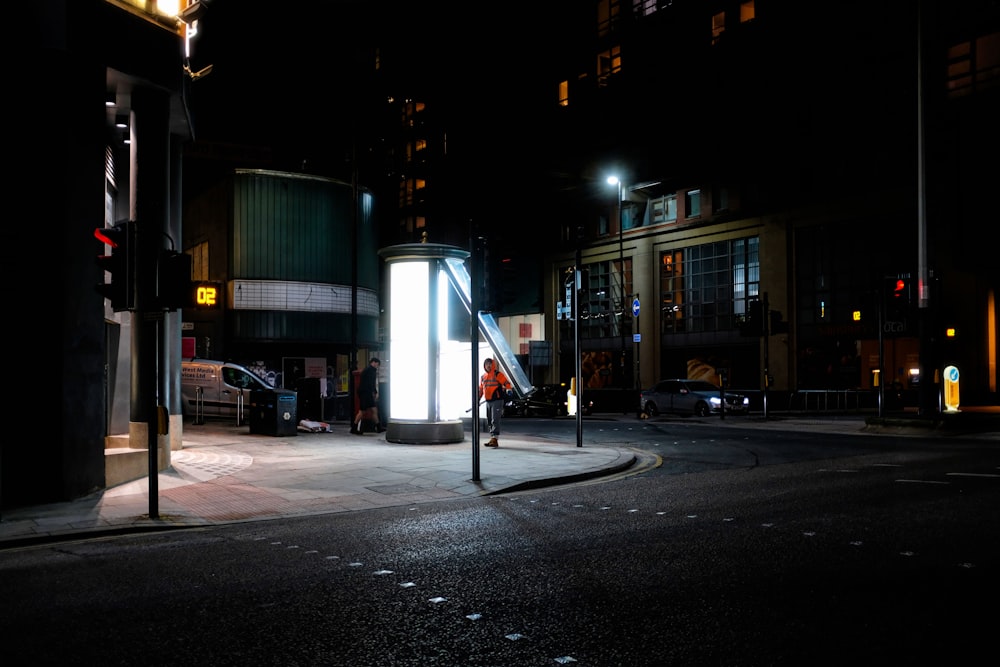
(635, 307)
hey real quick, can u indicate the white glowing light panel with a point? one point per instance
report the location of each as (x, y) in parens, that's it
(409, 285)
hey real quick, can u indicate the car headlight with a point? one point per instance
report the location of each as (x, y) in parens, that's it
(746, 402)
(715, 401)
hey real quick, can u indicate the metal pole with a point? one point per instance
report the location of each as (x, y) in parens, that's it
(576, 346)
(621, 314)
(638, 384)
(928, 358)
(881, 350)
(199, 405)
(352, 361)
(150, 365)
(765, 330)
(476, 245)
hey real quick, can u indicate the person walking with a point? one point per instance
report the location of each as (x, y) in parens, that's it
(368, 398)
(493, 386)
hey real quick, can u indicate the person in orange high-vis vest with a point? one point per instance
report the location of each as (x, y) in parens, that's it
(493, 386)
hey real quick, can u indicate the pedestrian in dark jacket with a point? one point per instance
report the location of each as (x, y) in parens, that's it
(368, 398)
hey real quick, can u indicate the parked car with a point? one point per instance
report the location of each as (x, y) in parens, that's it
(689, 397)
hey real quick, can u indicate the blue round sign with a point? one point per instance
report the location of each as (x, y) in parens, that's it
(635, 307)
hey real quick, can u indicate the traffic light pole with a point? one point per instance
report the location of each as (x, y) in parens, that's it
(146, 317)
(149, 363)
(578, 369)
(476, 246)
(881, 351)
(765, 329)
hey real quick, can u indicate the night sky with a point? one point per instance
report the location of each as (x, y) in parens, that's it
(284, 73)
(276, 77)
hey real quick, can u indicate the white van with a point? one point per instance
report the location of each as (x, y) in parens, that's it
(222, 386)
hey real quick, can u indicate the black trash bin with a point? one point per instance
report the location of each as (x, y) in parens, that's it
(274, 412)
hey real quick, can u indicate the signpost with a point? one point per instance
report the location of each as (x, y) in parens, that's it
(636, 339)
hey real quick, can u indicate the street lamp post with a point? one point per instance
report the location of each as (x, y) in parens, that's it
(614, 180)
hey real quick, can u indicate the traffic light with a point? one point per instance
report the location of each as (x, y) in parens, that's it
(494, 288)
(901, 291)
(173, 280)
(175, 290)
(778, 324)
(120, 264)
(753, 323)
(898, 299)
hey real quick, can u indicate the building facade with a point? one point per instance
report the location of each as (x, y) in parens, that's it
(760, 159)
(296, 256)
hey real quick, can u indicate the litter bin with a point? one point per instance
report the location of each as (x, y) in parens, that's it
(274, 412)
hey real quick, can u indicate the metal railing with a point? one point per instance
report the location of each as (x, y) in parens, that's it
(199, 406)
(826, 400)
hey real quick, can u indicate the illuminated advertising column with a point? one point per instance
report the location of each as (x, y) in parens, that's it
(425, 368)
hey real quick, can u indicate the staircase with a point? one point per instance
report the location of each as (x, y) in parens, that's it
(123, 463)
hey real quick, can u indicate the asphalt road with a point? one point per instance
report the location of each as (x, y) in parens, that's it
(886, 555)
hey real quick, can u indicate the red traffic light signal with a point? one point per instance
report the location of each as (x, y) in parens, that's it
(901, 290)
(120, 264)
(897, 303)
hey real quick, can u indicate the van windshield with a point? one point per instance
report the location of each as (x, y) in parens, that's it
(243, 379)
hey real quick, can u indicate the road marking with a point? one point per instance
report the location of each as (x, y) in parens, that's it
(970, 474)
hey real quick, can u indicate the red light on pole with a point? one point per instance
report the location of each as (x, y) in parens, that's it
(119, 264)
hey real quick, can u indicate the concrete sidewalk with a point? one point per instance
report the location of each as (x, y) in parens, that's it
(225, 474)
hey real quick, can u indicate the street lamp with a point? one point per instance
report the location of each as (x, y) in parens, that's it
(614, 180)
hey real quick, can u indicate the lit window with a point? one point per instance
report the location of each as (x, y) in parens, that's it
(199, 261)
(692, 204)
(664, 209)
(718, 26)
(747, 11)
(973, 66)
(643, 7)
(564, 93)
(408, 189)
(607, 16)
(707, 287)
(608, 62)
